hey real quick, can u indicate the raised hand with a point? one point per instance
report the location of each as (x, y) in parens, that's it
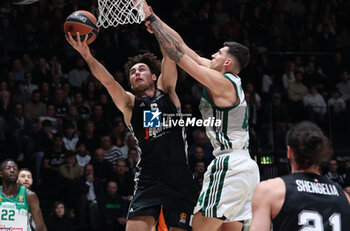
(80, 46)
(145, 7)
(149, 29)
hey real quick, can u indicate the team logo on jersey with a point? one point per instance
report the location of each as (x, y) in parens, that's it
(151, 118)
(0, 199)
(183, 218)
(20, 198)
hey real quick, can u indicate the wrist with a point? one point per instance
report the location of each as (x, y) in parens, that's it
(151, 18)
(88, 57)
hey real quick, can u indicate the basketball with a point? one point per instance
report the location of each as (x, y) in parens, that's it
(83, 22)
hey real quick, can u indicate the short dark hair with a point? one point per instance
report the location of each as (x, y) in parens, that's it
(77, 93)
(36, 91)
(240, 52)
(68, 125)
(25, 169)
(89, 121)
(55, 204)
(147, 58)
(2, 165)
(58, 135)
(310, 145)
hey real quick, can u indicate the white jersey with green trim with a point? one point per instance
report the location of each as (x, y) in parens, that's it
(232, 134)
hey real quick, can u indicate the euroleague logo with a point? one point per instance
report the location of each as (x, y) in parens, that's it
(183, 218)
(79, 17)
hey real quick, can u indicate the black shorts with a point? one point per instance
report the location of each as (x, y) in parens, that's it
(174, 190)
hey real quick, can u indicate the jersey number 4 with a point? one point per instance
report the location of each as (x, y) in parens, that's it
(313, 221)
(7, 215)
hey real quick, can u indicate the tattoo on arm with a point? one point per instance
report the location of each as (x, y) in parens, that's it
(171, 46)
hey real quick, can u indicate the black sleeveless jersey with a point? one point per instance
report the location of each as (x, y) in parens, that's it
(312, 202)
(161, 147)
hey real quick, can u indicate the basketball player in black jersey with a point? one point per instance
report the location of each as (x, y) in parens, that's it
(303, 200)
(164, 177)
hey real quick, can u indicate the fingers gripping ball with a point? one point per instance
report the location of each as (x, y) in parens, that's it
(83, 22)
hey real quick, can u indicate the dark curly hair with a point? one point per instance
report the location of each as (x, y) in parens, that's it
(147, 58)
(310, 145)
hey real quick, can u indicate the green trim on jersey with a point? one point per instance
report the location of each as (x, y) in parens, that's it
(236, 88)
(20, 199)
(221, 131)
(224, 129)
(217, 134)
(205, 96)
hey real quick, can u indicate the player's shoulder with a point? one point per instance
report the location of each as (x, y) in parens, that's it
(275, 182)
(31, 195)
(233, 78)
(270, 188)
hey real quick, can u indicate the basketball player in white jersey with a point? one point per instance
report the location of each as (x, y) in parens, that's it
(225, 199)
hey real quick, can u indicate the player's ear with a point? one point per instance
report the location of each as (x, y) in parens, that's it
(154, 77)
(229, 63)
(290, 152)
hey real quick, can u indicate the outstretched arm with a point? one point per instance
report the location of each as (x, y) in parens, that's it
(35, 210)
(168, 77)
(198, 59)
(191, 53)
(122, 99)
(213, 80)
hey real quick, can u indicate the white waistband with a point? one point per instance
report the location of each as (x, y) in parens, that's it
(235, 152)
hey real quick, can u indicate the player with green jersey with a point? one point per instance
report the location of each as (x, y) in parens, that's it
(17, 201)
(14, 210)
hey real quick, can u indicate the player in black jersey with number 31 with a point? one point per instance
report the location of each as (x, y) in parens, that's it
(303, 200)
(164, 178)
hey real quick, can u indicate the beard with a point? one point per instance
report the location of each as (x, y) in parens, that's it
(9, 181)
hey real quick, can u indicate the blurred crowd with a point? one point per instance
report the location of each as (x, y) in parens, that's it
(58, 119)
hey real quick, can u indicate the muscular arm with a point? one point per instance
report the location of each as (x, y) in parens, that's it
(35, 210)
(198, 59)
(122, 99)
(267, 202)
(212, 79)
(168, 77)
(261, 209)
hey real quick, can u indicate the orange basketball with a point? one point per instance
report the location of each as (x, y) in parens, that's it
(83, 22)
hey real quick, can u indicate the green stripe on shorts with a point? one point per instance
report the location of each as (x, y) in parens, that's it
(211, 177)
(213, 193)
(221, 184)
